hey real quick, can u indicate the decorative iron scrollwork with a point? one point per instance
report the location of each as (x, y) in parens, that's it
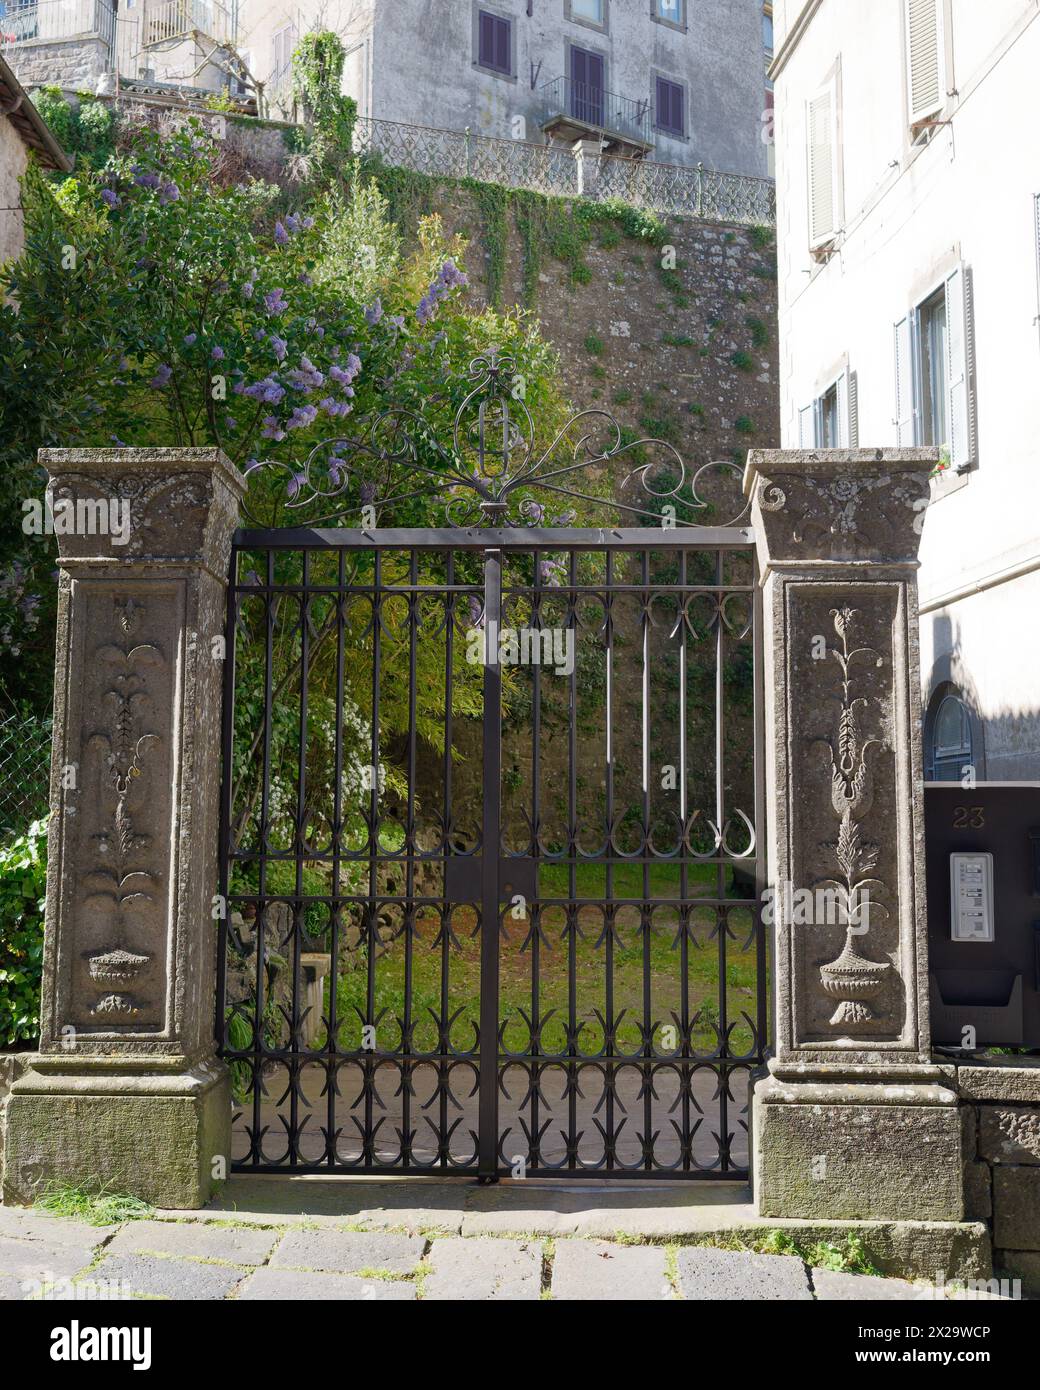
(495, 472)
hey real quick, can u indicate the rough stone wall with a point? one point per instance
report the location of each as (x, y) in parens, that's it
(13, 157)
(1001, 1116)
(76, 63)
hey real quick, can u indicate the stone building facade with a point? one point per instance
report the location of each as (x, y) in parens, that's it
(23, 133)
(671, 78)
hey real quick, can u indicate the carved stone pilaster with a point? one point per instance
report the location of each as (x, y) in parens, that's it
(129, 961)
(837, 534)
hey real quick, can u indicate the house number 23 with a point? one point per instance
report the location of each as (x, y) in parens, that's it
(969, 817)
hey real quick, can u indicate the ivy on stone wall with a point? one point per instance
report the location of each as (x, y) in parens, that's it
(546, 225)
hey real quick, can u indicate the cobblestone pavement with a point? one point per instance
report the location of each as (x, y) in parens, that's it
(414, 1241)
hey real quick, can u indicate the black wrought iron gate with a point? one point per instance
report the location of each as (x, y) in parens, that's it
(491, 821)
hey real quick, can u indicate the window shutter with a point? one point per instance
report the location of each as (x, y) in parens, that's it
(961, 367)
(853, 410)
(486, 53)
(502, 45)
(924, 65)
(905, 433)
(807, 427)
(822, 157)
(841, 388)
(1036, 243)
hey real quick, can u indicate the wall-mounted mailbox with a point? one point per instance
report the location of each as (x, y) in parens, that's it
(983, 880)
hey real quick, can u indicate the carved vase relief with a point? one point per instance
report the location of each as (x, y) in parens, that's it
(120, 885)
(852, 978)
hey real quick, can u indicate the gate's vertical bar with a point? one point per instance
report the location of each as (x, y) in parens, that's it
(411, 850)
(299, 909)
(610, 916)
(685, 911)
(491, 836)
(444, 1043)
(646, 913)
(372, 913)
(721, 910)
(336, 913)
(536, 924)
(227, 751)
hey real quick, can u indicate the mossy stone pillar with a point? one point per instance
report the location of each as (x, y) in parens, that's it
(127, 1091)
(854, 1121)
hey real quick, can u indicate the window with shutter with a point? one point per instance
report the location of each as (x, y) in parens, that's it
(925, 78)
(821, 128)
(960, 371)
(494, 43)
(671, 113)
(904, 356)
(807, 427)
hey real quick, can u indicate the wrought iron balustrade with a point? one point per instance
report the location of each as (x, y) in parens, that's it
(587, 104)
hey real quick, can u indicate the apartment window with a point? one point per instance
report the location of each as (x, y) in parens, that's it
(935, 347)
(588, 12)
(494, 43)
(670, 108)
(830, 421)
(935, 371)
(949, 737)
(822, 157)
(925, 62)
(669, 12)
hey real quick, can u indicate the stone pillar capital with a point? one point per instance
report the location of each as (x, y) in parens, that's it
(838, 506)
(122, 505)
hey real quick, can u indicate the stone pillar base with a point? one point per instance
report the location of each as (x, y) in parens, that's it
(852, 1147)
(154, 1133)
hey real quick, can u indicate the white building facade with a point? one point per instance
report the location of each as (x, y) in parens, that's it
(908, 229)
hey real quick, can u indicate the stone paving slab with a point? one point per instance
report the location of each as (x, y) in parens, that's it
(479, 1270)
(169, 1278)
(298, 1285)
(346, 1252)
(38, 1259)
(26, 1224)
(593, 1270)
(237, 1245)
(715, 1275)
(829, 1285)
(410, 1204)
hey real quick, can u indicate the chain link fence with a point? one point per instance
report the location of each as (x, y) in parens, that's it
(25, 772)
(672, 189)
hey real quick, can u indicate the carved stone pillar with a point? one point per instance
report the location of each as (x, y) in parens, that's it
(854, 1120)
(126, 1090)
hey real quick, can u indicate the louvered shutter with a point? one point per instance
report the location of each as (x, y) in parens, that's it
(502, 45)
(822, 193)
(853, 411)
(960, 367)
(904, 338)
(841, 391)
(807, 427)
(924, 58)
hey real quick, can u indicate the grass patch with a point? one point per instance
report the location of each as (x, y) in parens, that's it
(593, 345)
(743, 361)
(98, 1206)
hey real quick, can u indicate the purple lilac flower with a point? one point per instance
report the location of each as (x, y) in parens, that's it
(269, 390)
(374, 313)
(281, 236)
(367, 494)
(189, 339)
(161, 377)
(302, 416)
(169, 193)
(271, 430)
(337, 470)
(109, 197)
(231, 422)
(292, 223)
(307, 223)
(145, 180)
(274, 302)
(217, 353)
(305, 279)
(247, 290)
(278, 347)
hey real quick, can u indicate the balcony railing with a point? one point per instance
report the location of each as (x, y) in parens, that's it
(575, 108)
(682, 191)
(173, 19)
(53, 19)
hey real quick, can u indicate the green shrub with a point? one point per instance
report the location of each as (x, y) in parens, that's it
(743, 361)
(744, 424)
(593, 345)
(23, 888)
(56, 111)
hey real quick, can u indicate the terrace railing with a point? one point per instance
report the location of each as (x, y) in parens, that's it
(677, 190)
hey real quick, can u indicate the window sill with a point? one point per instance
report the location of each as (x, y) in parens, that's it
(494, 72)
(948, 482)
